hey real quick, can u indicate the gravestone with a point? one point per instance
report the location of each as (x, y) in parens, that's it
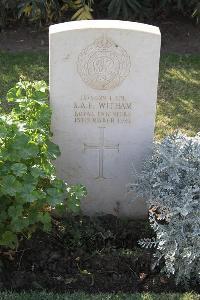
(103, 90)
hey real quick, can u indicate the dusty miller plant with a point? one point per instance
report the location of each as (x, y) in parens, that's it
(170, 182)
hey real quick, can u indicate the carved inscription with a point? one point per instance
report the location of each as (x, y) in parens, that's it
(103, 110)
(101, 147)
(103, 65)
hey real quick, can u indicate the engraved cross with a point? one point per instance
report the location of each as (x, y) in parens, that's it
(101, 147)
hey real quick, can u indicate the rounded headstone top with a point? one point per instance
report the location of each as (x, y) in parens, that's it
(104, 24)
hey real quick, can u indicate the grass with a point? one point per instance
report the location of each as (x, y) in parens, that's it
(31, 66)
(82, 296)
(178, 95)
(178, 92)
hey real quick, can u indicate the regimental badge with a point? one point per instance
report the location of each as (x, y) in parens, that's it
(103, 65)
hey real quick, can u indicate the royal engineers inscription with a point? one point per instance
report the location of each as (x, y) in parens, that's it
(103, 98)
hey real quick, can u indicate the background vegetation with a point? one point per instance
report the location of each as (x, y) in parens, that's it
(45, 12)
(83, 296)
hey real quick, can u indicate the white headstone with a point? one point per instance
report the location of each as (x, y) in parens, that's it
(103, 90)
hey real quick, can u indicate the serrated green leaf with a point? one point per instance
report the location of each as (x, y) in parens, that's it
(20, 141)
(17, 224)
(59, 185)
(37, 172)
(53, 150)
(5, 168)
(73, 204)
(12, 94)
(29, 198)
(9, 185)
(54, 196)
(45, 219)
(30, 151)
(19, 169)
(29, 179)
(9, 238)
(15, 211)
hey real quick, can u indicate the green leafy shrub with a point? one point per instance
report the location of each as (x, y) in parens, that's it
(170, 181)
(45, 12)
(42, 11)
(126, 9)
(8, 11)
(83, 9)
(185, 7)
(29, 189)
(147, 9)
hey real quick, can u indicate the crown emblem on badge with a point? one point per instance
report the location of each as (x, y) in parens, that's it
(103, 65)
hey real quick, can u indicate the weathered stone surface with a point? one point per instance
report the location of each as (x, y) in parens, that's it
(103, 90)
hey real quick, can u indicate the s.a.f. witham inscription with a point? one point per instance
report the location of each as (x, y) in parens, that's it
(103, 65)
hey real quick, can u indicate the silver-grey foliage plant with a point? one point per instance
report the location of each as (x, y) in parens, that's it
(170, 182)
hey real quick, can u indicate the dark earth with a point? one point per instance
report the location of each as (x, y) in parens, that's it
(86, 254)
(179, 35)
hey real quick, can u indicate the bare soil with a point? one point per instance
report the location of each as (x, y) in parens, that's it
(179, 35)
(84, 254)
